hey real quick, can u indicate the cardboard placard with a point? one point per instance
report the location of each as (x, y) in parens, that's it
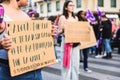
(32, 47)
(76, 32)
(92, 41)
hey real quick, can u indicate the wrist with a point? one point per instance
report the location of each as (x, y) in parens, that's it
(61, 31)
(2, 27)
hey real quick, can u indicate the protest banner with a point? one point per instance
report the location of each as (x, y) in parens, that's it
(76, 32)
(32, 46)
(90, 43)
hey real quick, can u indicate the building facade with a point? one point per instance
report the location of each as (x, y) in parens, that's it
(54, 7)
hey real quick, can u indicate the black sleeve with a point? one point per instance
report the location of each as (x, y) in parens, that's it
(118, 33)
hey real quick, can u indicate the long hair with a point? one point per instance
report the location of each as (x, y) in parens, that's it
(65, 12)
(80, 18)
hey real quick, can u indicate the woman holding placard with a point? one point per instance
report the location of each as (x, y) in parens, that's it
(69, 51)
(81, 17)
(13, 13)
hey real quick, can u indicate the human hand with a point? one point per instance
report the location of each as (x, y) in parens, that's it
(94, 22)
(54, 30)
(2, 27)
(114, 35)
(6, 42)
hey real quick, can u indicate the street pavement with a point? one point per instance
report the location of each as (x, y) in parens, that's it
(102, 69)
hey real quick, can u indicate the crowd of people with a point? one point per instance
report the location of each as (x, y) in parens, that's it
(103, 30)
(70, 52)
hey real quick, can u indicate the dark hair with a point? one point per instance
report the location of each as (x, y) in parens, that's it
(104, 16)
(96, 16)
(2, 1)
(80, 18)
(65, 12)
(17, 0)
(52, 19)
(37, 15)
(31, 12)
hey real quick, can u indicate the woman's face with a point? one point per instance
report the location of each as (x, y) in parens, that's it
(82, 14)
(22, 3)
(33, 16)
(70, 7)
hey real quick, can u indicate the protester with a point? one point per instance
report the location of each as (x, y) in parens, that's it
(32, 14)
(118, 37)
(106, 35)
(37, 16)
(54, 21)
(13, 13)
(81, 17)
(98, 34)
(70, 69)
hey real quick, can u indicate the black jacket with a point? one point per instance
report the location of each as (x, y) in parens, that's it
(96, 30)
(118, 33)
(107, 29)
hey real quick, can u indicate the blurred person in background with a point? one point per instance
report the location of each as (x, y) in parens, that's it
(81, 17)
(31, 13)
(107, 35)
(37, 16)
(98, 35)
(118, 37)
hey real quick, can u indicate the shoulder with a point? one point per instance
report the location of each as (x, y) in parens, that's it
(26, 17)
(62, 17)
